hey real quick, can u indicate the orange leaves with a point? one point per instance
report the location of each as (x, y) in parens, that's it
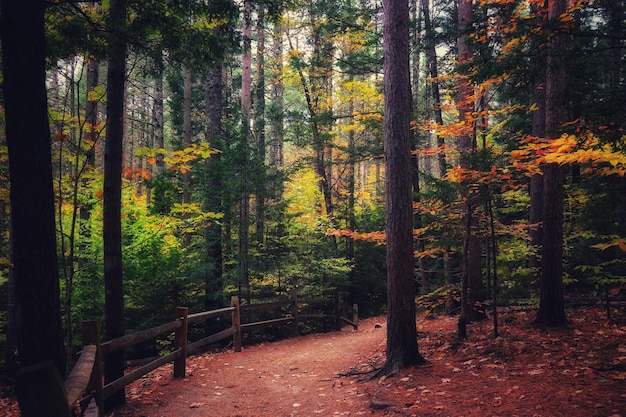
(617, 242)
(583, 149)
(130, 174)
(376, 237)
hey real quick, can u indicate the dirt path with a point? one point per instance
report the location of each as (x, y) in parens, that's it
(295, 377)
(578, 371)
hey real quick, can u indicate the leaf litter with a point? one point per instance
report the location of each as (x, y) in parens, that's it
(576, 371)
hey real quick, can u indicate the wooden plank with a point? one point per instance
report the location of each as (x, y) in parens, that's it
(224, 334)
(40, 391)
(200, 317)
(120, 383)
(265, 322)
(138, 337)
(77, 380)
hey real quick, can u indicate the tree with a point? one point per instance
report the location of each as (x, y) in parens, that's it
(466, 143)
(259, 128)
(214, 182)
(246, 108)
(112, 228)
(552, 307)
(402, 349)
(33, 251)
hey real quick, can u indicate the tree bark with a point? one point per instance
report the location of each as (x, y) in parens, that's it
(187, 143)
(276, 113)
(535, 217)
(112, 228)
(259, 127)
(402, 349)
(551, 306)
(244, 203)
(214, 184)
(466, 145)
(33, 235)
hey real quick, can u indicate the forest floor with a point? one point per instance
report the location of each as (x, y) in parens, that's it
(579, 370)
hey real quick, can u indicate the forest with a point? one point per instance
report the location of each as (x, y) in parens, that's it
(195, 150)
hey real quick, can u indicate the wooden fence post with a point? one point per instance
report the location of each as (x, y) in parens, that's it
(91, 336)
(295, 326)
(180, 342)
(337, 308)
(355, 316)
(236, 318)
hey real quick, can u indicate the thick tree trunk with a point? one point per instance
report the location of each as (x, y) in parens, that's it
(33, 235)
(112, 228)
(415, 161)
(551, 307)
(402, 349)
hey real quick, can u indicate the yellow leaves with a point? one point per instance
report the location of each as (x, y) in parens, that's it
(179, 160)
(97, 94)
(562, 151)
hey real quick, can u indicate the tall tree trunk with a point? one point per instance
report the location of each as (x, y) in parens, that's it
(351, 220)
(187, 143)
(535, 217)
(415, 161)
(91, 119)
(259, 127)
(159, 136)
(246, 104)
(214, 285)
(276, 114)
(402, 349)
(551, 306)
(33, 235)
(433, 70)
(467, 145)
(112, 227)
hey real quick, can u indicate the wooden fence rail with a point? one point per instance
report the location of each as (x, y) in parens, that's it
(41, 392)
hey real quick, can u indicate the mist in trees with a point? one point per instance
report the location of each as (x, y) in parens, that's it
(199, 150)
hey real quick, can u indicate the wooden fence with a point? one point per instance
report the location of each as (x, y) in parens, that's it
(41, 391)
